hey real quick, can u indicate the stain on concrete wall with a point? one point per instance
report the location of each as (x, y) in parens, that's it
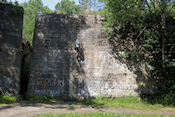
(57, 70)
(11, 23)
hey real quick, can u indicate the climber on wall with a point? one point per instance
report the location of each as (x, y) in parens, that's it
(78, 50)
(77, 46)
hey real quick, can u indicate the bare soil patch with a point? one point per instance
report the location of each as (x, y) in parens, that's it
(29, 110)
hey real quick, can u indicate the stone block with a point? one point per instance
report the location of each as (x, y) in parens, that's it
(57, 71)
(11, 24)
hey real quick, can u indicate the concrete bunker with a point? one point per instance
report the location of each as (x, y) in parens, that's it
(11, 24)
(55, 71)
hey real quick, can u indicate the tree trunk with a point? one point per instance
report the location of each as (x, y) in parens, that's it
(155, 3)
(163, 38)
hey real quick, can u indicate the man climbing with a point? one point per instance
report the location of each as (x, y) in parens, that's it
(77, 45)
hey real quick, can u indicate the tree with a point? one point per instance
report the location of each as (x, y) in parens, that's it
(31, 8)
(143, 30)
(67, 7)
(84, 4)
(93, 5)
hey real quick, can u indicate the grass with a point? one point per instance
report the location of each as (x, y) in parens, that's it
(7, 99)
(123, 102)
(99, 115)
(126, 102)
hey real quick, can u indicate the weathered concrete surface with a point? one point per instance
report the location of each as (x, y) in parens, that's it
(11, 23)
(56, 70)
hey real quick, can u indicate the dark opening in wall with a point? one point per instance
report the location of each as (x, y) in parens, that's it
(25, 66)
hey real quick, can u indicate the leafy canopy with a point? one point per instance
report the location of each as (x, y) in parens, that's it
(144, 31)
(67, 7)
(31, 8)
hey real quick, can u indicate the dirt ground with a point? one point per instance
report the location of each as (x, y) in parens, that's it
(30, 110)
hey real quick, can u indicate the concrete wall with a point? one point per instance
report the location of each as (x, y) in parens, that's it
(57, 71)
(11, 23)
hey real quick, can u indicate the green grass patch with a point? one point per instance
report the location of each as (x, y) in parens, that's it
(99, 102)
(99, 115)
(125, 102)
(7, 99)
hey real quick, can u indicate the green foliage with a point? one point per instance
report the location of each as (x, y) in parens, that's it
(91, 5)
(99, 115)
(84, 4)
(31, 9)
(8, 98)
(144, 31)
(67, 7)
